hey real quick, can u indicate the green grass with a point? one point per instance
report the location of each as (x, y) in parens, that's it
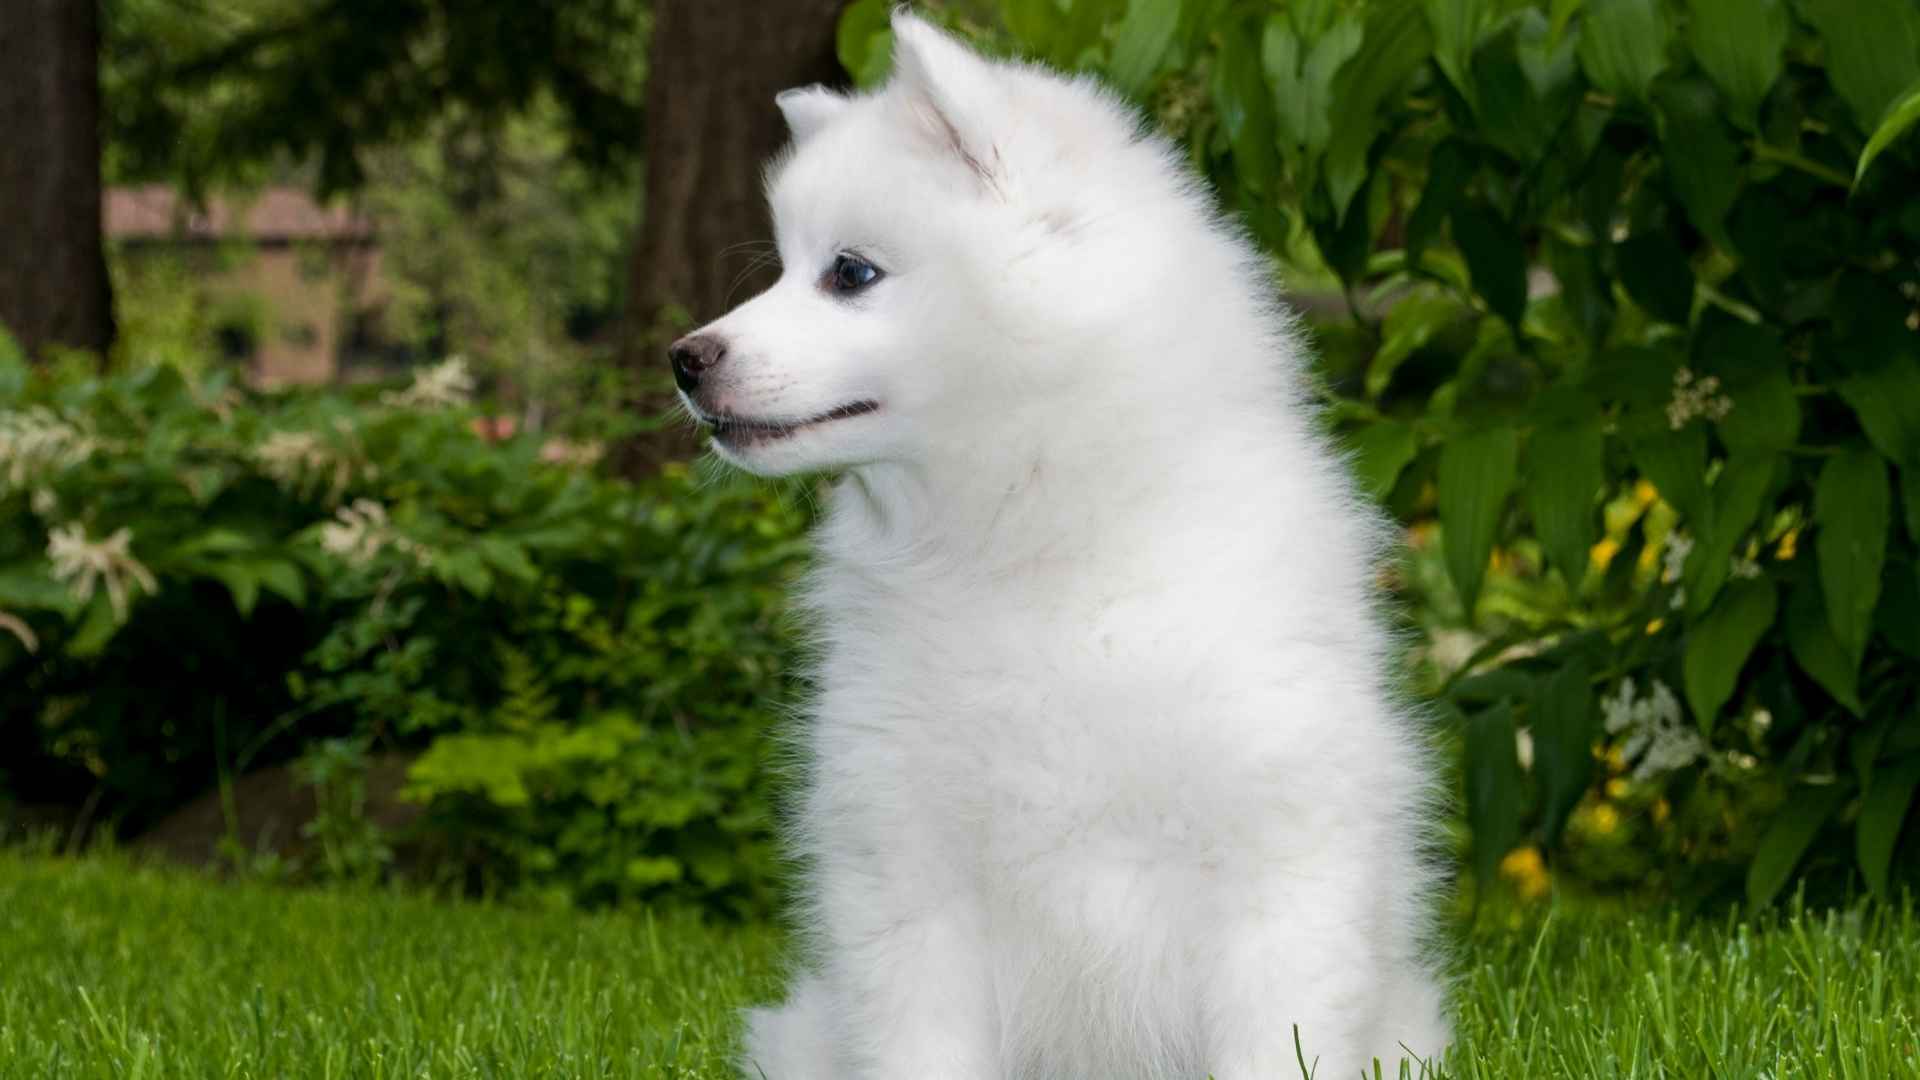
(113, 970)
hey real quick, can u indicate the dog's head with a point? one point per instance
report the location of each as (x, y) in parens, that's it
(936, 265)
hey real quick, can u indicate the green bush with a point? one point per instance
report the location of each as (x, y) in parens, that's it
(193, 578)
(1590, 249)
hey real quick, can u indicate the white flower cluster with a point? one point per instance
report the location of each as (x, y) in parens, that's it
(84, 564)
(1696, 397)
(445, 384)
(1657, 734)
(36, 441)
(303, 461)
(361, 531)
(1745, 567)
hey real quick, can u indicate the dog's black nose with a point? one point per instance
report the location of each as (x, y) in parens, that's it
(692, 355)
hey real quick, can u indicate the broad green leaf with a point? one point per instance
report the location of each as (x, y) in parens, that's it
(1887, 401)
(1494, 791)
(1456, 26)
(1718, 646)
(1383, 450)
(1814, 647)
(1852, 506)
(1565, 472)
(29, 585)
(1496, 258)
(1739, 493)
(1449, 168)
(1740, 44)
(1787, 838)
(1676, 463)
(1141, 42)
(1766, 414)
(97, 628)
(243, 581)
(1873, 51)
(1623, 45)
(1300, 74)
(1528, 85)
(1657, 275)
(864, 41)
(1412, 322)
(1883, 809)
(1701, 157)
(1586, 291)
(1396, 44)
(1476, 474)
(283, 578)
(1246, 111)
(1564, 730)
(1901, 115)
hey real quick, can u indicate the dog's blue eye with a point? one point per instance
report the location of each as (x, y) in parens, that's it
(850, 274)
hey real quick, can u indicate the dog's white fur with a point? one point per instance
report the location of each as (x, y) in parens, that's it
(1105, 773)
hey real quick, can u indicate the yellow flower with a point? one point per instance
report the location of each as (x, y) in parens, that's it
(1603, 552)
(1601, 818)
(1789, 546)
(1617, 788)
(1644, 493)
(1527, 871)
(1662, 810)
(1654, 626)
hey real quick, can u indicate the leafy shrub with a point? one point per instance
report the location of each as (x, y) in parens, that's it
(193, 576)
(1631, 291)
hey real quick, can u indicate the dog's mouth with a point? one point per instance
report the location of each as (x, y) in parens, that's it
(739, 431)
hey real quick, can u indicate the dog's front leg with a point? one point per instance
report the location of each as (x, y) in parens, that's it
(909, 955)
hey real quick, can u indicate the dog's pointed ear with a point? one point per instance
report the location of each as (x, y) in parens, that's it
(808, 109)
(952, 92)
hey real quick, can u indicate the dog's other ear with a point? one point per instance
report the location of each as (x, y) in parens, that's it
(808, 108)
(951, 91)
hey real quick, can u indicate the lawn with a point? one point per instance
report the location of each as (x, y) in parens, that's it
(113, 970)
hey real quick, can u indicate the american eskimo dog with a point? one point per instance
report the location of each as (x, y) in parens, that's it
(1105, 776)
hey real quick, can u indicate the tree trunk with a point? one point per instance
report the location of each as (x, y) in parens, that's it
(711, 124)
(53, 274)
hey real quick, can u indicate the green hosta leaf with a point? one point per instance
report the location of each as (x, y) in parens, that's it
(1657, 275)
(284, 579)
(1494, 790)
(1564, 729)
(242, 580)
(1586, 292)
(1740, 44)
(1882, 811)
(1910, 496)
(1496, 259)
(1718, 646)
(1565, 472)
(1396, 44)
(1787, 838)
(1410, 324)
(1815, 648)
(1383, 450)
(1476, 473)
(1623, 45)
(97, 628)
(29, 585)
(1887, 401)
(1901, 115)
(1852, 505)
(864, 41)
(1873, 51)
(1141, 42)
(1701, 157)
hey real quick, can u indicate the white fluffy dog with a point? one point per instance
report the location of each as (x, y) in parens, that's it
(1105, 777)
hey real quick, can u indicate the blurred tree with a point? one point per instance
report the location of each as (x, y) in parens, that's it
(716, 68)
(53, 278)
